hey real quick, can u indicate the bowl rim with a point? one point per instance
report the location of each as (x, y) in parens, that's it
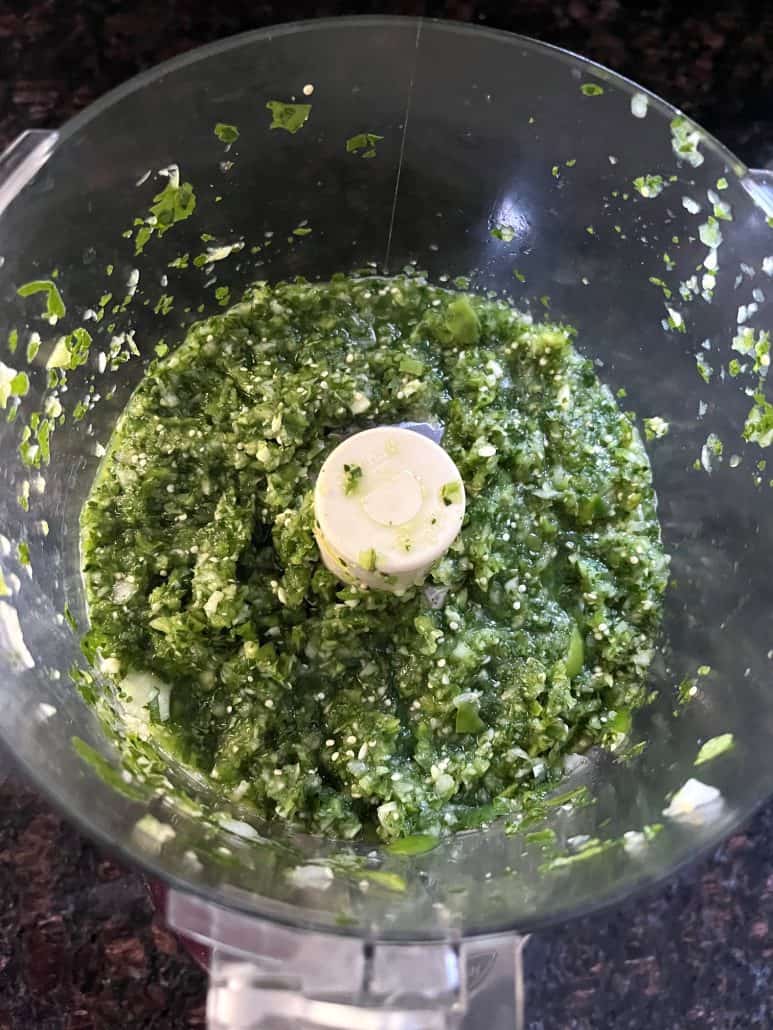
(241, 901)
(207, 50)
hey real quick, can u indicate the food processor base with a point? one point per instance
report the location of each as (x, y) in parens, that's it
(264, 976)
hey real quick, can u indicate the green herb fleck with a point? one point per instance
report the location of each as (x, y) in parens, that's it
(591, 89)
(746, 342)
(365, 142)
(20, 385)
(352, 477)
(579, 797)
(345, 919)
(223, 296)
(105, 771)
(451, 493)
(714, 747)
(541, 837)
(164, 304)
(649, 185)
(290, 117)
(686, 690)
(590, 849)
(632, 752)
(390, 881)
(675, 320)
(659, 282)
(519, 276)
(55, 308)
(575, 655)
(723, 211)
(23, 553)
(621, 723)
(367, 560)
(716, 447)
(759, 422)
(411, 365)
(506, 233)
(13, 340)
(70, 351)
(226, 133)
(655, 428)
(175, 203)
(417, 844)
(709, 233)
(69, 618)
(302, 230)
(467, 718)
(685, 138)
(461, 326)
(705, 371)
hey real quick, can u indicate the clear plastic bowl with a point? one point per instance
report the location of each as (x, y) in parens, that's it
(480, 129)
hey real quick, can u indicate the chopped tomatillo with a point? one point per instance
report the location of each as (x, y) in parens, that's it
(349, 711)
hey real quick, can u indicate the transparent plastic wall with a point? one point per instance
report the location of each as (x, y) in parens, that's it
(499, 159)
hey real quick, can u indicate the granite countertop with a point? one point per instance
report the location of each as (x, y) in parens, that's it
(80, 945)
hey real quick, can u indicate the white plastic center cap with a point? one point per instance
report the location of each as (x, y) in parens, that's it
(388, 503)
(395, 500)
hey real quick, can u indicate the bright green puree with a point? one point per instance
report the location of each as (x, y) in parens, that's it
(343, 710)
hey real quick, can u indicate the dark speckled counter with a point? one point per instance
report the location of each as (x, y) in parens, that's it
(80, 946)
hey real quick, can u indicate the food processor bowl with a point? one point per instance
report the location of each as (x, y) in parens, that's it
(535, 174)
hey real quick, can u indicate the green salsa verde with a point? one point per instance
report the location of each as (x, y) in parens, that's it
(338, 709)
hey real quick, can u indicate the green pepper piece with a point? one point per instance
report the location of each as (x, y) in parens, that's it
(575, 655)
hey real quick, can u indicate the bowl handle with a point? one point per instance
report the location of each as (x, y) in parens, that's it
(481, 985)
(758, 183)
(244, 997)
(265, 974)
(21, 160)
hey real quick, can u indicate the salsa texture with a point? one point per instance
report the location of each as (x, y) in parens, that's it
(338, 709)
